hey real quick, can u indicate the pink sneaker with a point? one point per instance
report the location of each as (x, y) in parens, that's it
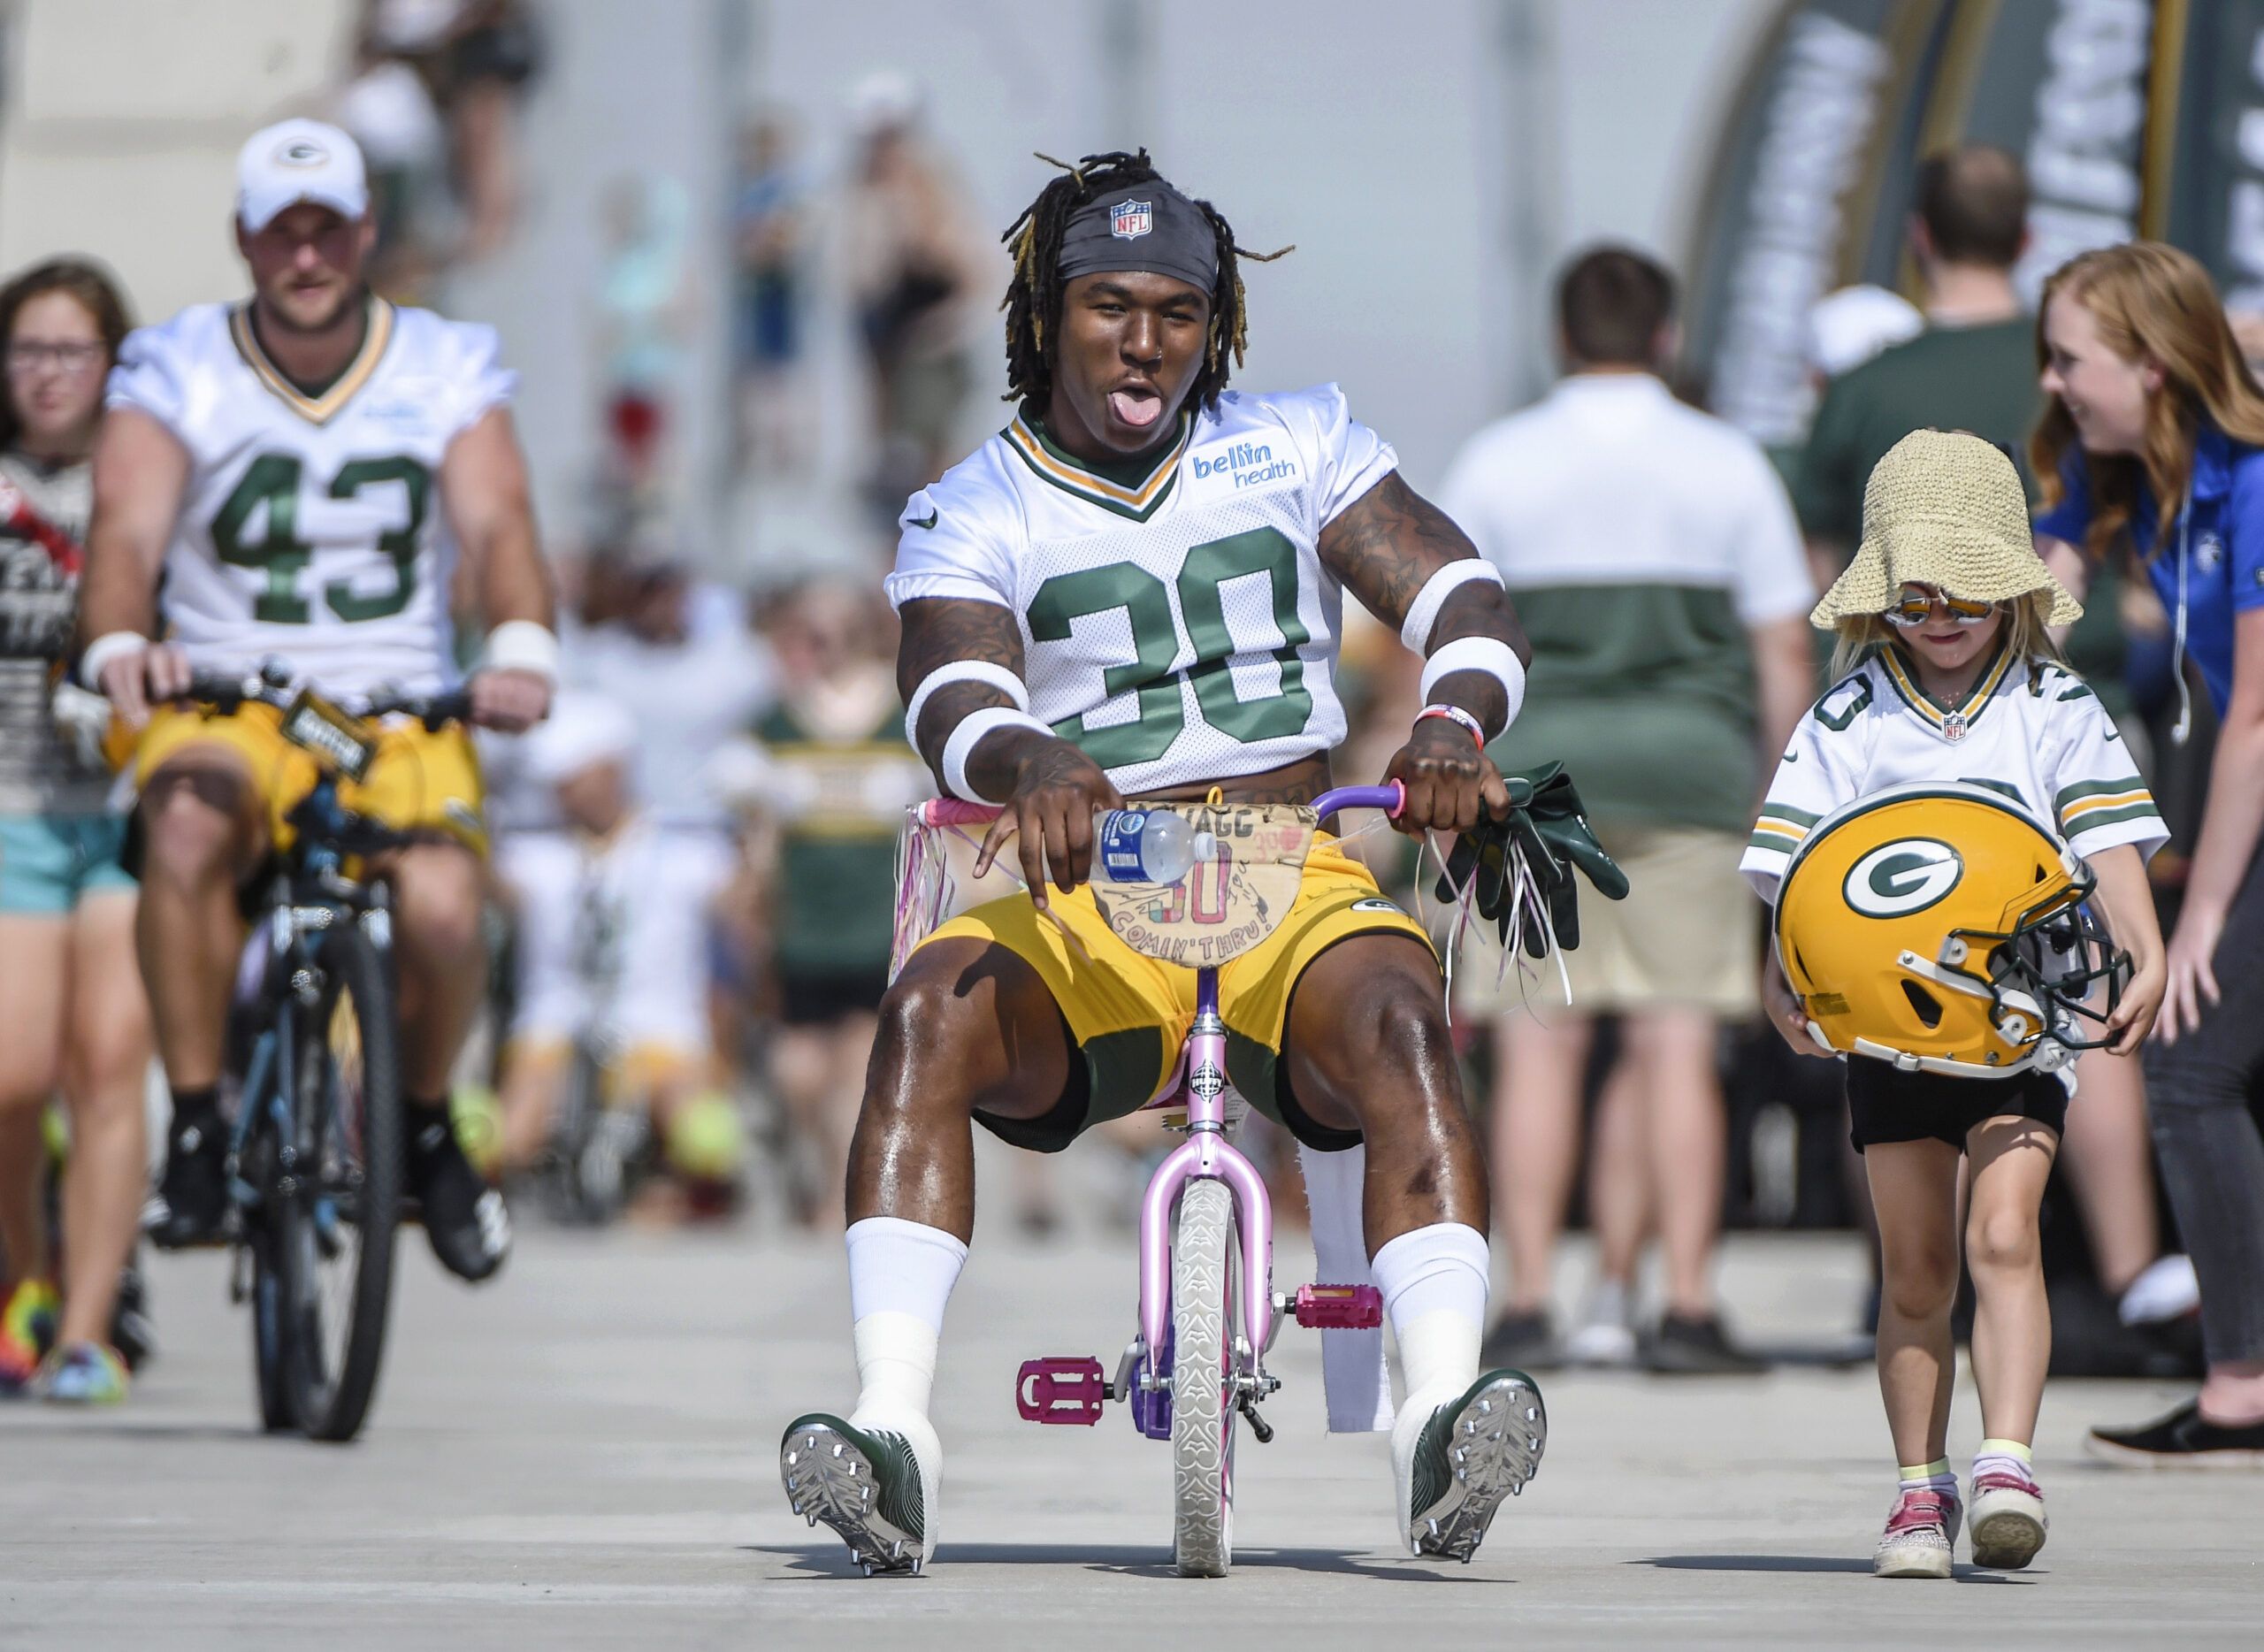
(1920, 1530)
(2008, 1522)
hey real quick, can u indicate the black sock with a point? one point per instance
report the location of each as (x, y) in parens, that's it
(195, 1109)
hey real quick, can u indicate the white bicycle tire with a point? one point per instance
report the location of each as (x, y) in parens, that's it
(1201, 1415)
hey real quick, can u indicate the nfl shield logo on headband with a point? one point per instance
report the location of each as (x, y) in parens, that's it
(1129, 220)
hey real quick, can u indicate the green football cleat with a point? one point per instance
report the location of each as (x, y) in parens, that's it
(1473, 1452)
(867, 1485)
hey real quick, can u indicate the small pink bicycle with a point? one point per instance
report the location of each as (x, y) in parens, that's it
(1208, 1310)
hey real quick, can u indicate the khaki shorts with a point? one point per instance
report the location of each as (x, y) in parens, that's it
(1688, 934)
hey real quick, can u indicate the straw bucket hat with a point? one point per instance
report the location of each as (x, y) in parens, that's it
(1944, 509)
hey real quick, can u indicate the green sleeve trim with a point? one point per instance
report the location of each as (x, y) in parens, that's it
(1775, 842)
(2083, 788)
(1786, 812)
(2115, 817)
(2081, 691)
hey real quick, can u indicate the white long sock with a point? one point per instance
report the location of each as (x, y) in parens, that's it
(900, 1280)
(1434, 1281)
(1354, 1379)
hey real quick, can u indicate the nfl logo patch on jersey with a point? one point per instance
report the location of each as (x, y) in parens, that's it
(1129, 220)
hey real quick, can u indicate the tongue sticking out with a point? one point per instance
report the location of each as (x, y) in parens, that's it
(1138, 409)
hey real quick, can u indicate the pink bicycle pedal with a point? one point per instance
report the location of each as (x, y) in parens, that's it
(1062, 1388)
(1340, 1307)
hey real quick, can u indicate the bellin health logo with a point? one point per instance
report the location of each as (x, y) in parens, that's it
(1249, 463)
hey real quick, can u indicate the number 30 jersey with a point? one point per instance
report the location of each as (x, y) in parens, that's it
(1177, 624)
(311, 529)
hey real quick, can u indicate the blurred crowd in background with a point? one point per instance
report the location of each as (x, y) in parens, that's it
(693, 889)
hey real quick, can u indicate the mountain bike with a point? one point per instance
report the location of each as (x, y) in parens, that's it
(316, 1155)
(1208, 1311)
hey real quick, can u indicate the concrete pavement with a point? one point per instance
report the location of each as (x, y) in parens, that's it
(584, 1456)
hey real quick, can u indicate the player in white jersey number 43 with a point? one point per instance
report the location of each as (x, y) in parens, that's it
(291, 478)
(1153, 565)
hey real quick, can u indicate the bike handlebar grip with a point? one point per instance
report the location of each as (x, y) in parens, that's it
(957, 812)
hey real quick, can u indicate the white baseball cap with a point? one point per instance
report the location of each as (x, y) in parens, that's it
(299, 160)
(583, 730)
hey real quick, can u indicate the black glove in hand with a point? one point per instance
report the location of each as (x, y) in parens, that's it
(1547, 826)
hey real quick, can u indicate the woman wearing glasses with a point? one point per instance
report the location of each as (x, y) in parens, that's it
(72, 1017)
(2154, 438)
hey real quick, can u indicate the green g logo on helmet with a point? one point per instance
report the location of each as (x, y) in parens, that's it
(1907, 875)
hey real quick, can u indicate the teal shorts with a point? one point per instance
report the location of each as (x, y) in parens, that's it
(49, 863)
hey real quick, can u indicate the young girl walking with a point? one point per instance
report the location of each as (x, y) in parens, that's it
(1948, 673)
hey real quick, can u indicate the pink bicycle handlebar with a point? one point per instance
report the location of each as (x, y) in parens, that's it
(1390, 798)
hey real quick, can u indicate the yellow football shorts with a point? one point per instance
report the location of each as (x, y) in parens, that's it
(1130, 1014)
(421, 780)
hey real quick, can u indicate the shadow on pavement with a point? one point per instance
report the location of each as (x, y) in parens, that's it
(830, 1560)
(1800, 1563)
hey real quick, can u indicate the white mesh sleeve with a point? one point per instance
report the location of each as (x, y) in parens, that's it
(1345, 456)
(948, 548)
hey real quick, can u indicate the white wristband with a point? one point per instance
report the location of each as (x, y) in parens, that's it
(997, 677)
(1489, 654)
(106, 648)
(967, 735)
(1423, 613)
(521, 645)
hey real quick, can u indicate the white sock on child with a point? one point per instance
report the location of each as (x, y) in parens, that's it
(2004, 1457)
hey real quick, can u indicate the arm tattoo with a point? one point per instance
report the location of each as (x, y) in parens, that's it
(938, 631)
(1386, 543)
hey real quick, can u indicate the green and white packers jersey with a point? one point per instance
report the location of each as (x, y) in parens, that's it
(1177, 624)
(2030, 729)
(311, 529)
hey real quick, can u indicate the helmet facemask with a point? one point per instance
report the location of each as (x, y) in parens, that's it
(2042, 968)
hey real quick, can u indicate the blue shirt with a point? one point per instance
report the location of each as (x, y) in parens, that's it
(2220, 545)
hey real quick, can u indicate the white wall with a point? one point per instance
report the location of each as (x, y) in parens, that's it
(121, 120)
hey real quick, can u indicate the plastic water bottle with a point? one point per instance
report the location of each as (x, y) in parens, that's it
(1145, 845)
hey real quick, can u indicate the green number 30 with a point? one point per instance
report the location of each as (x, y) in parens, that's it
(1155, 643)
(271, 481)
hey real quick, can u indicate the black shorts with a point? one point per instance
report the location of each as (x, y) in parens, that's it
(1886, 1104)
(810, 1001)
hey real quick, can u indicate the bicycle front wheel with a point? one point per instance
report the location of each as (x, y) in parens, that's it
(1202, 1381)
(342, 1188)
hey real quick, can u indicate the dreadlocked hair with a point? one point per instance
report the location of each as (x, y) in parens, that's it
(1033, 300)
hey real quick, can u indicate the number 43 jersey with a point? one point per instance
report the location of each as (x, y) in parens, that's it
(311, 529)
(1177, 624)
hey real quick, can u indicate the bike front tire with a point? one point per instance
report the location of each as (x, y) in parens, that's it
(1202, 1377)
(348, 1127)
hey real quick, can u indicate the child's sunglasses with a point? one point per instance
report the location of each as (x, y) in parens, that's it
(1914, 603)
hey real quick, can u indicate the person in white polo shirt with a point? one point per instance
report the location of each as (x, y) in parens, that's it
(1657, 564)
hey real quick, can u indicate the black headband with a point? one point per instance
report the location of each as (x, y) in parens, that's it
(1142, 226)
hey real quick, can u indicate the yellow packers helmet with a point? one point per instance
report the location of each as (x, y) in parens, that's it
(1942, 928)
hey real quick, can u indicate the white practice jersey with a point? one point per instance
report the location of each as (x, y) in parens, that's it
(613, 936)
(311, 529)
(1177, 623)
(2033, 732)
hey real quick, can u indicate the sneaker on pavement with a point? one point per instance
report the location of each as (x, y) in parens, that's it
(1687, 1346)
(1605, 1334)
(465, 1218)
(1473, 1451)
(2185, 1439)
(28, 1322)
(191, 1206)
(2007, 1523)
(84, 1373)
(1523, 1339)
(874, 1487)
(1921, 1532)
(132, 1333)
